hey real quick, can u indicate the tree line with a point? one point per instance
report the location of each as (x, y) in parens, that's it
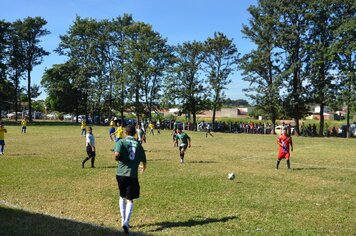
(304, 54)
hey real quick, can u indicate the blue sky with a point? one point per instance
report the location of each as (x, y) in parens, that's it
(176, 20)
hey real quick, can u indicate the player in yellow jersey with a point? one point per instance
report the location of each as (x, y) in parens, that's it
(2, 138)
(83, 126)
(119, 132)
(151, 126)
(24, 125)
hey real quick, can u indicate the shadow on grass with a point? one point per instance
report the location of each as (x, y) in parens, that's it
(202, 162)
(105, 167)
(19, 222)
(190, 223)
(309, 168)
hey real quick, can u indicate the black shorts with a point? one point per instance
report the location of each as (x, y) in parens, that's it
(183, 148)
(129, 187)
(90, 152)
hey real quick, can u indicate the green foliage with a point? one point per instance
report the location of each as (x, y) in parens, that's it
(189, 88)
(29, 32)
(262, 67)
(221, 60)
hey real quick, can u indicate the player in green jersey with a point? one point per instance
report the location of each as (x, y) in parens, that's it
(129, 153)
(185, 142)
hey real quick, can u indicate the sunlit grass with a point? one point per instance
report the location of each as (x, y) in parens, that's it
(41, 172)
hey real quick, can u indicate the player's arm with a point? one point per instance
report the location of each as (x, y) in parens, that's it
(117, 150)
(117, 156)
(175, 141)
(279, 142)
(143, 167)
(143, 164)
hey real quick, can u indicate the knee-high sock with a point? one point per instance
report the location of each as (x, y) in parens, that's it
(1, 148)
(129, 207)
(92, 161)
(277, 165)
(288, 164)
(122, 206)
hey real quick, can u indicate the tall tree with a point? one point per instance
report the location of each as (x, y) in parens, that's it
(30, 30)
(145, 60)
(190, 88)
(5, 85)
(78, 45)
(116, 51)
(321, 17)
(291, 35)
(344, 50)
(221, 60)
(262, 66)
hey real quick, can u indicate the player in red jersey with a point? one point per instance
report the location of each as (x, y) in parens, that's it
(284, 141)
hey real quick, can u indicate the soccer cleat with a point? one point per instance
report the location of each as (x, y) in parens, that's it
(126, 229)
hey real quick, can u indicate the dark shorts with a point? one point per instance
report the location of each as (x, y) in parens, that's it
(111, 130)
(129, 187)
(90, 152)
(183, 148)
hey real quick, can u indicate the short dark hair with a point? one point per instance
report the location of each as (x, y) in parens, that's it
(130, 129)
(180, 128)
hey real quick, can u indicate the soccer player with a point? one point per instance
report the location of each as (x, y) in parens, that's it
(2, 138)
(83, 126)
(185, 142)
(129, 153)
(90, 147)
(285, 146)
(151, 126)
(140, 134)
(24, 125)
(208, 131)
(119, 132)
(112, 129)
(158, 126)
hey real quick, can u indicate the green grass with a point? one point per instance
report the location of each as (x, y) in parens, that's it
(44, 191)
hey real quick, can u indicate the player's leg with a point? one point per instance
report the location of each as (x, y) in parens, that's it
(88, 148)
(122, 184)
(181, 154)
(133, 192)
(288, 164)
(277, 164)
(92, 159)
(2, 147)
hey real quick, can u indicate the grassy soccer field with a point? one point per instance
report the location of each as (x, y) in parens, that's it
(44, 190)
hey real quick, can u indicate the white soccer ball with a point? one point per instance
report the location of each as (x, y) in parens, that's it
(231, 176)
